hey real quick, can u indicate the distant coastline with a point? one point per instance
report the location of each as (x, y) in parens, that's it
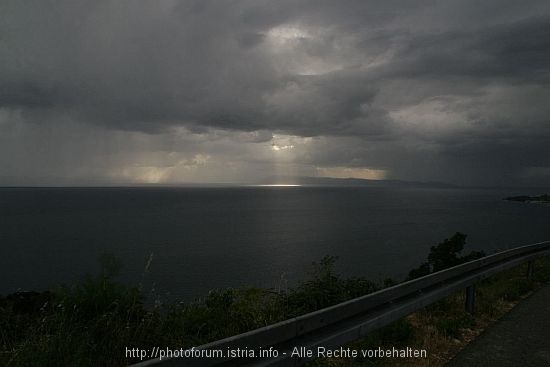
(530, 199)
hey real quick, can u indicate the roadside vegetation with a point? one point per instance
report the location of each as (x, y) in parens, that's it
(93, 322)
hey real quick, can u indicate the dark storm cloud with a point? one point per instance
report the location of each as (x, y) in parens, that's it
(138, 65)
(452, 90)
(519, 50)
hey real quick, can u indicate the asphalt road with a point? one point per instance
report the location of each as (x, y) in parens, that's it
(520, 338)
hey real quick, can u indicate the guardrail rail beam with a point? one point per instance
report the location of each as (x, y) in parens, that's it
(340, 324)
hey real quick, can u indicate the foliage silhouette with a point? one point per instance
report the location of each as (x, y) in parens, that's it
(445, 255)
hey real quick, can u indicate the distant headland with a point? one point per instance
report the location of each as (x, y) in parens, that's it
(530, 199)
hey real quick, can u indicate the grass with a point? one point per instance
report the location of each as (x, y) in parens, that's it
(443, 328)
(93, 322)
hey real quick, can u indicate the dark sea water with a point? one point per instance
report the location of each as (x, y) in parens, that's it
(204, 238)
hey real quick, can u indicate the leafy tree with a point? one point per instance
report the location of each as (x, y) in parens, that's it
(445, 255)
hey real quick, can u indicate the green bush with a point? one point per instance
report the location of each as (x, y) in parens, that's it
(445, 255)
(326, 288)
(93, 322)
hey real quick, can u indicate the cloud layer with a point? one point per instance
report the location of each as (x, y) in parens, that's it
(233, 91)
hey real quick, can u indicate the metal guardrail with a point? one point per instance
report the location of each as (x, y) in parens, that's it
(337, 325)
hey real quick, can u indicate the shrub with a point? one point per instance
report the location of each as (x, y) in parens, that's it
(445, 255)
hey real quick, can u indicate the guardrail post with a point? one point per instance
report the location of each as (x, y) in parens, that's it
(470, 298)
(530, 268)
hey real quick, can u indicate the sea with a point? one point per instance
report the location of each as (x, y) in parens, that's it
(181, 242)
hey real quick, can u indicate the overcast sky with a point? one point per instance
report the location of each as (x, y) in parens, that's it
(101, 92)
